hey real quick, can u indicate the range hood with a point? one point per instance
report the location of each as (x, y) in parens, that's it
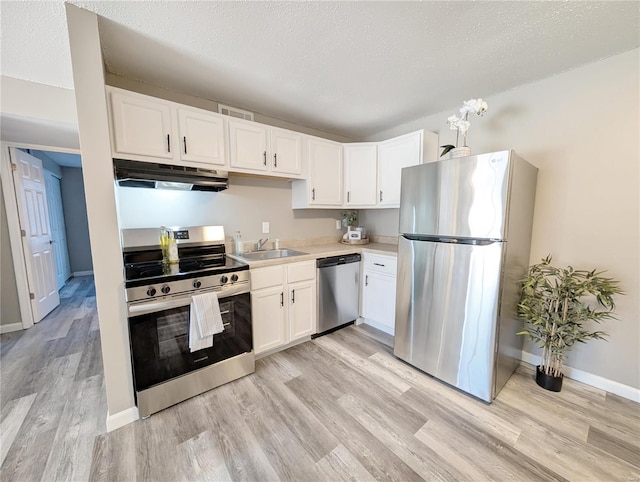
(164, 176)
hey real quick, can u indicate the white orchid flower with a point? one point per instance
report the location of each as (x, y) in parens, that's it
(477, 106)
(463, 125)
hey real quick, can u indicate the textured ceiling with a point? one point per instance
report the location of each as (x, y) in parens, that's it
(353, 68)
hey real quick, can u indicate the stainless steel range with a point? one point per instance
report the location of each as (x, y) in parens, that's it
(165, 370)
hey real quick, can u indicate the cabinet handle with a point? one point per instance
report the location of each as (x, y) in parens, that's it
(264, 154)
(348, 196)
(184, 140)
(282, 299)
(313, 194)
(168, 142)
(275, 160)
(378, 264)
(366, 280)
(380, 196)
(293, 296)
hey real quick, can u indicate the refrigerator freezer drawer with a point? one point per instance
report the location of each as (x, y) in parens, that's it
(447, 311)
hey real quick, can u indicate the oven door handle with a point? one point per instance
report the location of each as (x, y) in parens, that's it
(152, 306)
(144, 307)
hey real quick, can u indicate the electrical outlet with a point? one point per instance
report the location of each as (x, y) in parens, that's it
(338, 224)
(265, 227)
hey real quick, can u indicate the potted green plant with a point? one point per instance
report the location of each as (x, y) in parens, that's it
(555, 304)
(349, 218)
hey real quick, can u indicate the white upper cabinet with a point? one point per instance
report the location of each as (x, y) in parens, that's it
(286, 151)
(323, 186)
(141, 125)
(360, 168)
(257, 148)
(393, 155)
(201, 136)
(247, 145)
(146, 128)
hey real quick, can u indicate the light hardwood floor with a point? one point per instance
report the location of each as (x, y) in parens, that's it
(341, 407)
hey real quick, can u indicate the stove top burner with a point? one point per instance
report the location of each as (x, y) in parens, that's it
(139, 274)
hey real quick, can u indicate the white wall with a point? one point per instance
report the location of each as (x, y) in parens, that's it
(93, 127)
(242, 207)
(38, 114)
(582, 130)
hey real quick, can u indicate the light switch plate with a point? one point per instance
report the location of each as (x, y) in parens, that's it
(338, 224)
(265, 227)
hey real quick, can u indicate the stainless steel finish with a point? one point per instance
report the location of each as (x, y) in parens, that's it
(176, 390)
(465, 197)
(269, 254)
(151, 305)
(149, 237)
(261, 243)
(446, 310)
(338, 295)
(164, 176)
(208, 282)
(465, 234)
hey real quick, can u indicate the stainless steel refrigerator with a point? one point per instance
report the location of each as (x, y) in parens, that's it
(465, 233)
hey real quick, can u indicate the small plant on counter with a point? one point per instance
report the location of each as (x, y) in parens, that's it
(349, 218)
(555, 304)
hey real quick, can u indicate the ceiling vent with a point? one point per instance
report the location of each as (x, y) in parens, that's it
(235, 112)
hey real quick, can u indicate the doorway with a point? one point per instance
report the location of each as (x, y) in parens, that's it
(48, 231)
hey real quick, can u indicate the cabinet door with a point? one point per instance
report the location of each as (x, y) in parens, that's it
(360, 180)
(247, 145)
(325, 172)
(141, 125)
(286, 152)
(393, 155)
(268, 308)
(379, 301)
(302, 309)
(201, 137)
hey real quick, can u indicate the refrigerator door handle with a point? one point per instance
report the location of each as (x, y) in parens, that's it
(450, 239)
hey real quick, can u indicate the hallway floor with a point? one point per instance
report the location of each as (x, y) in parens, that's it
(52, 395)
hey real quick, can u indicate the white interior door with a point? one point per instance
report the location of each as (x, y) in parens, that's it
(58, 229)
(34, 219)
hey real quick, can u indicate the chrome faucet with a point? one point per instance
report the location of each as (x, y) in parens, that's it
(261, 243)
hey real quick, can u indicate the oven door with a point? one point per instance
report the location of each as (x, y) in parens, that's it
(159, 336)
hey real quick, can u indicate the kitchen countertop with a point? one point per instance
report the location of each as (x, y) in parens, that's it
(322, 251)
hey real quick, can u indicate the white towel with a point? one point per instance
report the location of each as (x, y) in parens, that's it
(205, 321)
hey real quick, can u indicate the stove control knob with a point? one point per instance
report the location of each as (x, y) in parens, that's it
(165, 289)
(197, 284)
(234, 277)
(151, 291)
(224, 279)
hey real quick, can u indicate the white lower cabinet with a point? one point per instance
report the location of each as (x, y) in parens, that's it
(283, 304)
(379, 292)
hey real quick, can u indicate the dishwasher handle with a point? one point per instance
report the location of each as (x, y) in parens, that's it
(337, 260)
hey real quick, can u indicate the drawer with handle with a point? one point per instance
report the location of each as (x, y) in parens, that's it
(380, 264)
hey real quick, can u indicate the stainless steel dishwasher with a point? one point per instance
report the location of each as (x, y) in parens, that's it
(338, 291)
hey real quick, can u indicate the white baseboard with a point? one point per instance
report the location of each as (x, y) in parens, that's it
(10, 327)
(122, 418)
(596, 381)
(83, 273)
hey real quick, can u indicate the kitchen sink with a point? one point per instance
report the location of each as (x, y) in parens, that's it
(270, 254)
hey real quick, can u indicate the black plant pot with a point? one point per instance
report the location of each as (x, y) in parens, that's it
(548, 382)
